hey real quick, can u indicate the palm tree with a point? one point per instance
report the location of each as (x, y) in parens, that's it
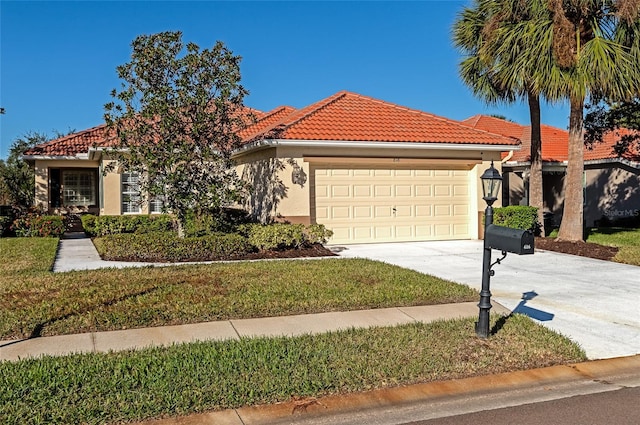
(492, 36)
(593, 43)
(575, 49)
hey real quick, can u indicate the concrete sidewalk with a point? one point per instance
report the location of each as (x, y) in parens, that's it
(231, 329)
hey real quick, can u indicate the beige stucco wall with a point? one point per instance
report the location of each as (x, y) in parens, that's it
(275, 195)
(41, 170)
(111, 197)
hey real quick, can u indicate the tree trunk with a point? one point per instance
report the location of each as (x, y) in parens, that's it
(571, 228)
(535, 174)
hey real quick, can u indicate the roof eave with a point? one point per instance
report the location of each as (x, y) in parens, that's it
(266, 143)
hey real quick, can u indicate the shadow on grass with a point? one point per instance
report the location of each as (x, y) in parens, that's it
(37, 330)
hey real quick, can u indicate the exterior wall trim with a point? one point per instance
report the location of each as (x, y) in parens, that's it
(266, 143)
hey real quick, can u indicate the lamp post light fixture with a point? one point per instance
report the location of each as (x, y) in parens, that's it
(491, 180)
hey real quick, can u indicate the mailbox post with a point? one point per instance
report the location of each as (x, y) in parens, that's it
(501, 238)
(491, 180)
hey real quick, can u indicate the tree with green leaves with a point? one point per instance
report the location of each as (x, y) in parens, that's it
(595, 43)
(17, 179)
(492, 35)
(576, 50)
(176, 121)
(620, 118)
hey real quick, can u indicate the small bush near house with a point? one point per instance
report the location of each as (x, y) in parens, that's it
(35, 225)
(280, 236)
(517, 217)
(168, 247)
(225, 220)
(115, 224)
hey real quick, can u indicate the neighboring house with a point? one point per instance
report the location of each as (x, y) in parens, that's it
(370, 170)
(611, 182)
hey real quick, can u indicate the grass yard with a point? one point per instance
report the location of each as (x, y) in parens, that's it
(116, 387)
(35, 302)
(190, 378)
(627, 240)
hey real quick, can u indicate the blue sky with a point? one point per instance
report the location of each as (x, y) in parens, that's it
(58, 58)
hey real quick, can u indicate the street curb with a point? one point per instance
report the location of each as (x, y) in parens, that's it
(290, 411)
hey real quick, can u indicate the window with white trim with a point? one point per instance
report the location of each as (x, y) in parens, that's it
(79, 187)
(156, 204)
(131, 193)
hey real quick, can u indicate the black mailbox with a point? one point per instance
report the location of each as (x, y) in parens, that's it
(510, 240)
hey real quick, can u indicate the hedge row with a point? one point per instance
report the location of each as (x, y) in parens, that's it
(116, 224)
(35, 225)
(284, 236)
(167, 246)
(517, 217)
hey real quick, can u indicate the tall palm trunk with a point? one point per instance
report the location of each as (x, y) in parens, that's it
(571, 228)
(535, 174)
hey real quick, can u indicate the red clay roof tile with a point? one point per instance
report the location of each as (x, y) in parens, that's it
(348, 116)
(344, 116)
(555, 141)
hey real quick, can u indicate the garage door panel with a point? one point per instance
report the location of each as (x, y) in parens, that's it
(403, 190)
(381, 191)
(403, 211)
(361, 191)
(340, 213)
(362, 212)
(442, 210)
(386, 204)
(442, 190)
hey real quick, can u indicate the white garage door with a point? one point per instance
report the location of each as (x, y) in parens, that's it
(388, 204)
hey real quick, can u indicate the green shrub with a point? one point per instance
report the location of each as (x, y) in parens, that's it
(168, 247)
(517, 217)
(280, 236)
(89, 223)
(225, 220)
(35, 225)
(317, 233)
(115, 224)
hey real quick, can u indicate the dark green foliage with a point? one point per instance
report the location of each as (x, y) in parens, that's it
(17, 180)
(168, 247)
(35, 225)
(284, 236)
(177, 117)
(517, 217)
(115, 224)
(604, 118)
(224, 220)
(5, 225)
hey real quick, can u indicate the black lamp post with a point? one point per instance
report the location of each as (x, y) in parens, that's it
(491, 180)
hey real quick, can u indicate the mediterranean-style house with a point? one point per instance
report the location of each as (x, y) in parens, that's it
(611, 181)
(369, 170)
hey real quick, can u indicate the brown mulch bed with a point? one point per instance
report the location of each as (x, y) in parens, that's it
(583, 249)
(316, 250)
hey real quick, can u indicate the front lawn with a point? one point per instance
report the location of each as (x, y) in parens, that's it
(40, 303)
(627, 240)
(160, 382)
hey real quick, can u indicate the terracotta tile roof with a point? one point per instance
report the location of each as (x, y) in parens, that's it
(348, 116)
(266, 121)
(344, 116)
(555, 141)
(72, 144)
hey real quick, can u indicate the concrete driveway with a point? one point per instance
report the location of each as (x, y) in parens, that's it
(595, 303)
